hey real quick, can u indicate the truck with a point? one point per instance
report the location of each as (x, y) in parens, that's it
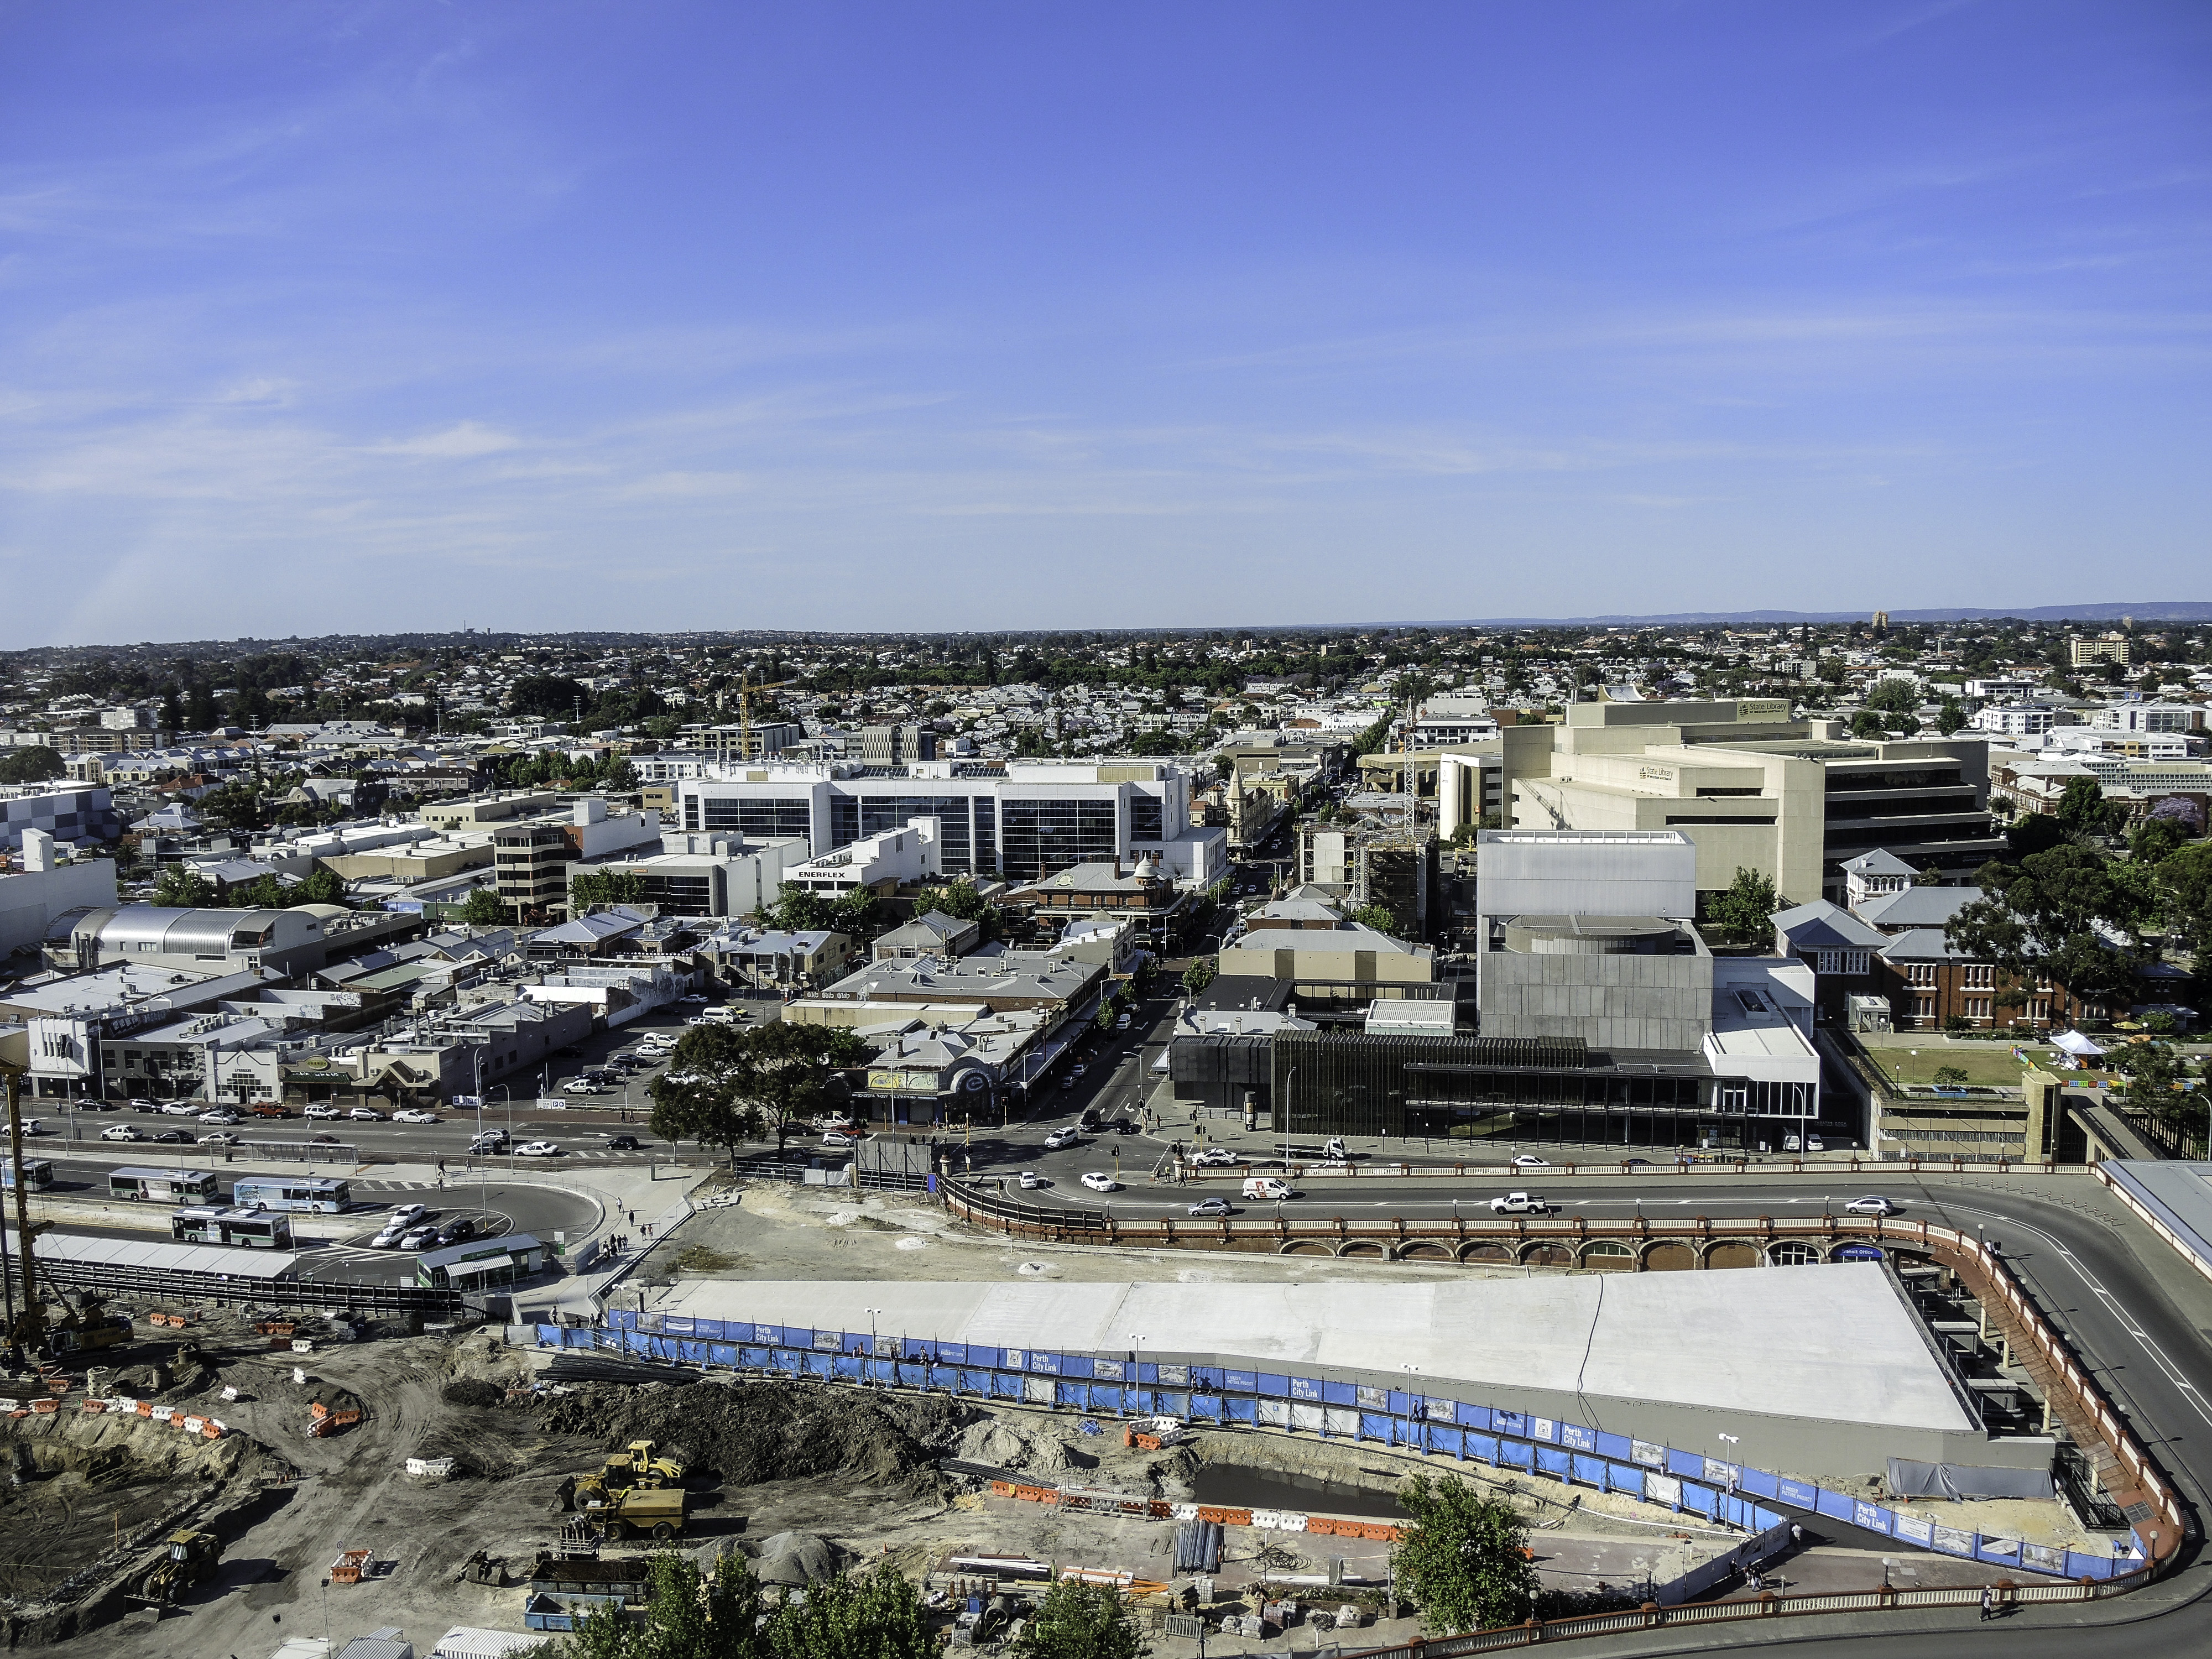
(1519, 1204)
(628, 1511)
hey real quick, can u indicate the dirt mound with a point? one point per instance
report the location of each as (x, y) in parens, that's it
(798, 1557)
(473, 1391)
(750, 1432)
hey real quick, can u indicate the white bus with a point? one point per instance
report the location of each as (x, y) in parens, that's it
(254, 1229)
(162, 1186)
(319, 1193)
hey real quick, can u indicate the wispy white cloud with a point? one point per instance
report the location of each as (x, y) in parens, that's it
(463, 440)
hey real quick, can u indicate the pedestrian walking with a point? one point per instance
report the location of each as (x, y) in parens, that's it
(1796, 1536)
(1989, 1603)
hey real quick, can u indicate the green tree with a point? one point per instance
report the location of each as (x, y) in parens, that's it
(2034, 922)
(798, 910)
(34, 764)
(2186, 879)
(1866, 725)
(854, 914)
(183, 889)
(1377, 916)
(1745, 911)
(1950, 1077)
(323, 885)
(726, 1083)
(2156, 840)
(2082, 808)
(1465, 1558)
(1200, 975)
(960, 900)
(875, 1615)
(1082, 1621)
(1894, 697)
(597, 890)
(1951, 717)
(264, 893)
(483, 908)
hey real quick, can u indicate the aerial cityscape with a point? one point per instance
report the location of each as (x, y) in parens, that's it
(902, 831)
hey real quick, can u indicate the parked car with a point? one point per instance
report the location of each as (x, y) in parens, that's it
(538, 1149)
(180, 1108)
(622, 1143)
(459, 1230)
(1031, 1181)
(407, 1215)
(365, 1115)
(1214, 1157)
(419, 1238)
(1121, 1024)
(139, 1105)
(388, 1235)
(414, 1115)
(1076, 1070)
(1059, 1138)
(220, 1114)
(1209, 1206)
(176, 1137)
(1098, 1181)
(1530, 1161)
(1873, 1204)
(324, 1111)
(694, 997)
(582, 1085)
(121, 1132)
(1519, 1204)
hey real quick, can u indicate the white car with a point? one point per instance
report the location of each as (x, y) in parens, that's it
(538, 1149)
(120, 1132)
(1215, 1158)
(694, 997)
(1059, 1138)
(581, 1085)
(838, 1141)
(1099, 1181)
(388, 1238)
(323, 1111)
(415, 1114)
(1031, 1181)
(220, 1138)
(179, 1109)
(406, 1214)
(1871, 1205)
(1519, 1204)
(1209, 1206)
(365, 1115)
(1530, 1161)
(220, 1114)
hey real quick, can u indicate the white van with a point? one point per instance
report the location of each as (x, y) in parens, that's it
(1266, 1187)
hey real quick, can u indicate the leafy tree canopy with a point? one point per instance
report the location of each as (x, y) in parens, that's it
(1082, 1621)
(728, 1084)
(1745, 912)
(34, 764)
(1465, 1558)
(183, 889)
(483, 908)
(689, 1616)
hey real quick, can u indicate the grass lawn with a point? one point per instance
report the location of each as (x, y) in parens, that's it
(1988, 1065)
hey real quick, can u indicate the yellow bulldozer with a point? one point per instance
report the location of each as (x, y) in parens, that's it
(640, 1466)
(187, 1558)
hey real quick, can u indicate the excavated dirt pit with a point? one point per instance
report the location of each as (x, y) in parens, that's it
(93, 1481)
(747, 1434)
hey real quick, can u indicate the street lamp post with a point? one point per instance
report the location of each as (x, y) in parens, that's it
(873, 1340)
(1731, 1442)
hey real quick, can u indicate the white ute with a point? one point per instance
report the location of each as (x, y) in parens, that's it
(1519, 1204)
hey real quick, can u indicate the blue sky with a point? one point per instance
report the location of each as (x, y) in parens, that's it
(324, 316)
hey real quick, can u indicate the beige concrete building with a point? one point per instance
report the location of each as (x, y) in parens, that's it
(1753, 788)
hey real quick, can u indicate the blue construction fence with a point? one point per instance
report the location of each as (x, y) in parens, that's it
(1572, 1453)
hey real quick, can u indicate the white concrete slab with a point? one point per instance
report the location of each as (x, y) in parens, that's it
(1832, 1341)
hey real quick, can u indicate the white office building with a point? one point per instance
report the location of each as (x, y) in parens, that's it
(1026, 820)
